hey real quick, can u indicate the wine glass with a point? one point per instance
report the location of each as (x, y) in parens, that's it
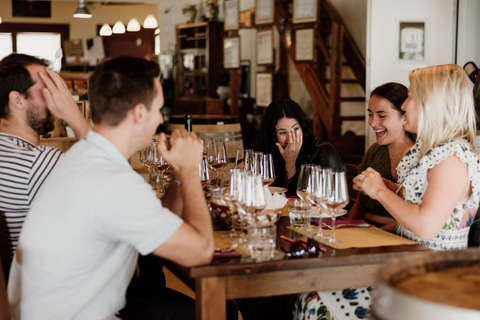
(337, 199)
(161, 166)
(244, 156)
(217, 157)
(268, 171)
(203, 171)
(230, 184)
(251, 199)
(256, 166)
(322, 191)
(308, 184)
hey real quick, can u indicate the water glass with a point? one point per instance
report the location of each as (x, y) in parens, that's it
(261, 242)
(299, 213)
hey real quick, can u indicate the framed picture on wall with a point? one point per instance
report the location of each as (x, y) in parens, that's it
(304, 44)
(304, 11)
(411, 41)
(265, 46)
(264, 89)
(231, 52)
(264, 11)
(231, 15)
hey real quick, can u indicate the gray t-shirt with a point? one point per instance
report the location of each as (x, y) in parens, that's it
(80, 242)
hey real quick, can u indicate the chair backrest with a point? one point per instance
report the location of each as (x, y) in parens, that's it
(4, 307)
(351, 172)
(5, 255)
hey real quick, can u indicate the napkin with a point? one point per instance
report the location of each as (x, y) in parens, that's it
(275, 201)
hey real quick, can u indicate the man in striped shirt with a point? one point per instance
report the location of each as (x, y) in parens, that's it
(31, 97)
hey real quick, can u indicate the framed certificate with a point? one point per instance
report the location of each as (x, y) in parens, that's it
(265, 46)
(264, 89)
(231, 15)
(304, 11)
(264, 11)
(231, 52)
(304, 44)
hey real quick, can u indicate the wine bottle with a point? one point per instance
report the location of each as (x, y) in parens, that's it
(188, 123)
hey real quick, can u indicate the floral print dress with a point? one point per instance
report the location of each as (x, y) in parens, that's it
(454, 235)
(412, 175)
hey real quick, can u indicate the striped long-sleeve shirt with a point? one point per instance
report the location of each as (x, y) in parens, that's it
(23, 169)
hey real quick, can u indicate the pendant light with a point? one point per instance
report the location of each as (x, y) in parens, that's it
(150, 22)
(118, 27)
(82, 11)
(133, 25)
(105, 30)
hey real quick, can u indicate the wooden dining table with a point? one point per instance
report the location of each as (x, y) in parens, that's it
(238, 278)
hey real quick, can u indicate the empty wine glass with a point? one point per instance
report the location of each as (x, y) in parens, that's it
(251, 199)
(268, 171)
(321, 193)
(217, 157)
(243, 160)
(231, 182)
(256, 166)
(337, 199)
(161, 166)
(203, 171)
(308, 184)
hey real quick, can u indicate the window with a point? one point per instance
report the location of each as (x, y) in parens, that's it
(42, 40)
(40, 44)
(6, 44)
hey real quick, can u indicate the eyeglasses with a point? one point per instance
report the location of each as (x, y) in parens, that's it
(302, 248)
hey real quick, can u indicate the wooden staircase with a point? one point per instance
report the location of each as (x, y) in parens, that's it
(338, 65)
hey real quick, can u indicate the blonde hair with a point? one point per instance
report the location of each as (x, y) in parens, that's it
(445, 106)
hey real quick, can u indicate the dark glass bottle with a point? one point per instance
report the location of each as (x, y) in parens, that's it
(188, 122)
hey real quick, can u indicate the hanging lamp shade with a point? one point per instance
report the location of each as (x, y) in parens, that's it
(150, 22)
(118, 27)
(82, 11)
(133, 25)
(105, 30)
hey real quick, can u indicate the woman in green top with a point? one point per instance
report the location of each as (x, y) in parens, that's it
(393, 142)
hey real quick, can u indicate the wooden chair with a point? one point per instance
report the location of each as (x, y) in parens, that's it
(351, 172)
(4, 306)
(5, 256)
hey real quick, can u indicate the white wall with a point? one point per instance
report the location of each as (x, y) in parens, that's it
(62, 13)
(384, 16)
(468, 41)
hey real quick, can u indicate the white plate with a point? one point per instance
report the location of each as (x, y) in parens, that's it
(327, 215)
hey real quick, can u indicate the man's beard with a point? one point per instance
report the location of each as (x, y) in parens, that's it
(40, 125)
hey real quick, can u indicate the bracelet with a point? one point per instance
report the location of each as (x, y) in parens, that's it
(176, 182)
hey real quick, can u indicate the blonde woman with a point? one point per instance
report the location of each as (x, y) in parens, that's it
(441, 174)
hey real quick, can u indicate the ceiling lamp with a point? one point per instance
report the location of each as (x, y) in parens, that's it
(133, 25)
(82, 11)
(150, 22)
(118, 27)
(105, 30)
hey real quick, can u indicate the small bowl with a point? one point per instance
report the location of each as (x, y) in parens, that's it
(224, 214)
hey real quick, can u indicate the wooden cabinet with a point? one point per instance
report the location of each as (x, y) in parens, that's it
(200, 60)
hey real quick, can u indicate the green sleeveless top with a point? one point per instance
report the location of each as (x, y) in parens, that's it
(378, 158)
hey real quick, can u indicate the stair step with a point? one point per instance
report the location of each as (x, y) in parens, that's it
(352, 118)
(352, 99)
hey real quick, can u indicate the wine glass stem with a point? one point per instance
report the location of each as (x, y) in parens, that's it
(333, 225)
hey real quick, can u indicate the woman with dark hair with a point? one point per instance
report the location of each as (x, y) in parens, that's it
(288, 137)
(386, 118)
